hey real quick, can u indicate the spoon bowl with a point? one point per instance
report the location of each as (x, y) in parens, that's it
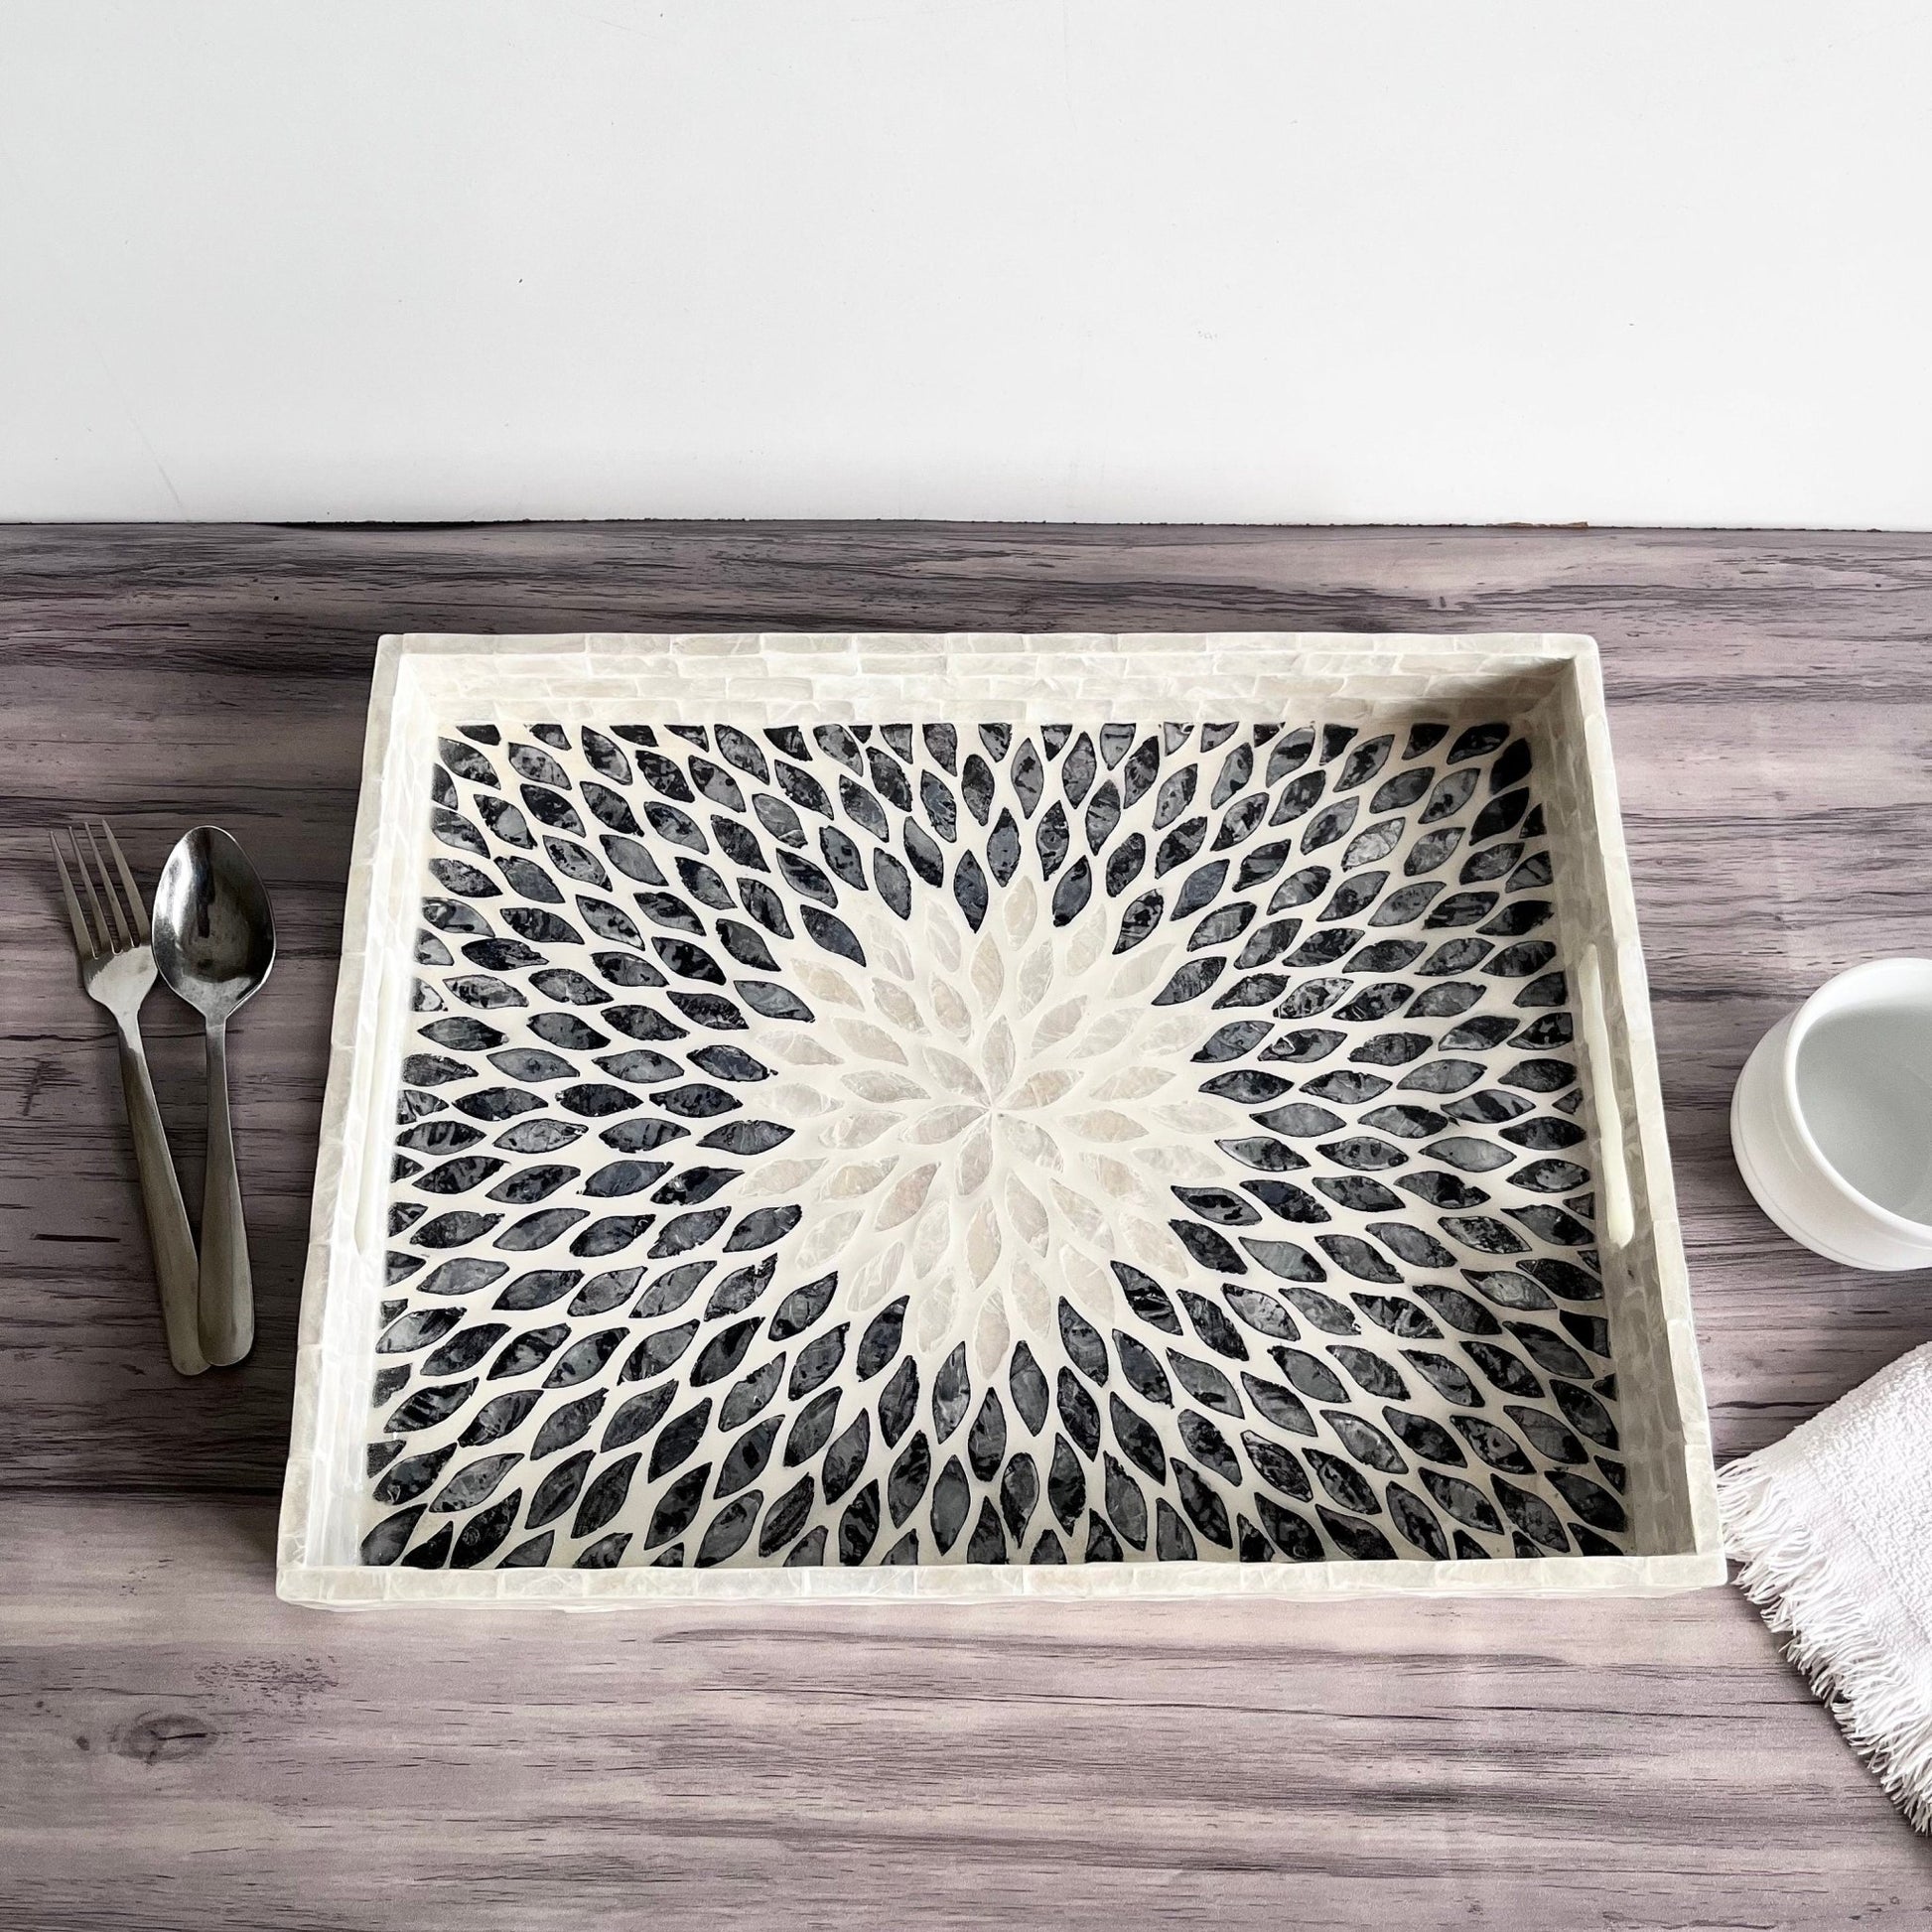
(213, 931)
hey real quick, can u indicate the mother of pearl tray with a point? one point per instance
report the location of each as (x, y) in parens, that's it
(976, 1116)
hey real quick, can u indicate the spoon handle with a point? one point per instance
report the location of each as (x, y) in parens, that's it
(168, 1230)
(227, 1291)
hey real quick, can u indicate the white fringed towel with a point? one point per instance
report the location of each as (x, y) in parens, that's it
(1833, 1527)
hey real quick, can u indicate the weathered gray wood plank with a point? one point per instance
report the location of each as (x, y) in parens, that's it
(1530, 1765)
(183, 1749)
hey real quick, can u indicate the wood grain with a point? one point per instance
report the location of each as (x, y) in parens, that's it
(175, 1748)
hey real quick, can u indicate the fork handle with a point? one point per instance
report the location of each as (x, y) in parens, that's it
(227, 1290)
(168, 1232)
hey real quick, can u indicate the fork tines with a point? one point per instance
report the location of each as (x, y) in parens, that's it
(124, 924)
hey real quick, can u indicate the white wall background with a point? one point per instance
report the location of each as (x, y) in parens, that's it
(1630, 262)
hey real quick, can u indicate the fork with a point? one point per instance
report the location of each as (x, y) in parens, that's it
(117, 972)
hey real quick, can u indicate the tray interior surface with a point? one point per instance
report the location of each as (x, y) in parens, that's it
(888, 1139)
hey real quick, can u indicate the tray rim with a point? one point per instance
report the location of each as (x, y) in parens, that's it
(301, 1579)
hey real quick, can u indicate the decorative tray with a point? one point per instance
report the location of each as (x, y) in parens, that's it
(964, 1116)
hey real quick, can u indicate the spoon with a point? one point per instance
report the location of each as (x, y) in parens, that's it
(214, 943)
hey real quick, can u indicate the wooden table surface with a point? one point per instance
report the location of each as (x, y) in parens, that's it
(178, 1749)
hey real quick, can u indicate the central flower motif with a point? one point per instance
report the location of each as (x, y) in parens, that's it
(980, 1114)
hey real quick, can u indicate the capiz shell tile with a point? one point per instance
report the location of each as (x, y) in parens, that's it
(989, 1116)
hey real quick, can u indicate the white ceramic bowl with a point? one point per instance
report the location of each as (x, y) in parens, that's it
(1832, 1118)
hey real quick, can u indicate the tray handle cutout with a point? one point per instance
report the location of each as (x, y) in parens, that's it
(1618, 1223)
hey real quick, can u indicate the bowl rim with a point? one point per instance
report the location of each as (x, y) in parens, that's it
(1807, 1015)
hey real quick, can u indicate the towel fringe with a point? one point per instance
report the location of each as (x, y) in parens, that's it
(1886, 1717)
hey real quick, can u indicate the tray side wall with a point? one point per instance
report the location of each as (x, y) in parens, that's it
(1667, 1440)
(346, 1230)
